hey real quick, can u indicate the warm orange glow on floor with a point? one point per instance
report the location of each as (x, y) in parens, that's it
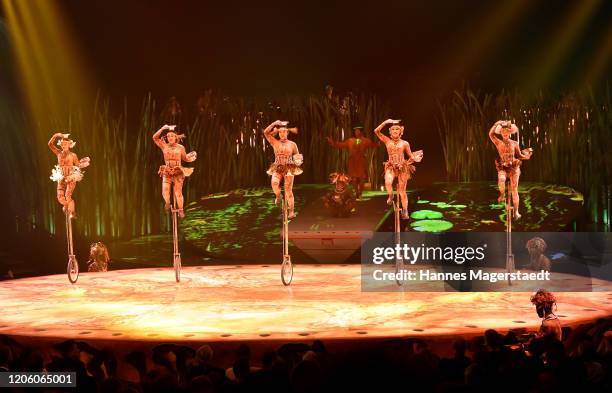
(219, 303)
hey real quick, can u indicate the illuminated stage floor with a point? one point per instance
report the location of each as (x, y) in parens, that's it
(232, 303)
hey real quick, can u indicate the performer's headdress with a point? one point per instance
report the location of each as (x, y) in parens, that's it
(179, 137)
(338, 177)
(293, 130)
(72, 143)
(508, 125)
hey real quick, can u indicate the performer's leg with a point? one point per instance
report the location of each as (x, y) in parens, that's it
(360, 182)
(389, 177)
(70, 186)
(501, 183)
(356, 182)
(276, 179)
(61, 193)
(178, 196)
(166, 192)
(289, 195)
(514, 181)
(402, 184)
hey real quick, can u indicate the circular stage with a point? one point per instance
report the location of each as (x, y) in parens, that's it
(235, 303)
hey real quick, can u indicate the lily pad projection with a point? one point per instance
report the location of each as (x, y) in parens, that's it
(444, 205)
(426, 215)
(431, 225)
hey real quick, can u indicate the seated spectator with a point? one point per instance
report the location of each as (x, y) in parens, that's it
(5, 357)
(242, 365)
(201, 365)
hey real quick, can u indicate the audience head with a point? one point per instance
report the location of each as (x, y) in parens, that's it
(459, 346)
(205, 354)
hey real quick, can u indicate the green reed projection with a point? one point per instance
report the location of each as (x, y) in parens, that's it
(571, 137)
(121, 193)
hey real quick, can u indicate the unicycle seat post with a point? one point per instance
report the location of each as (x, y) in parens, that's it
(176, 255)
(509, 216)
(286, 265)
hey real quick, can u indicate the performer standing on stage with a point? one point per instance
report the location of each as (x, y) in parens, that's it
(287, 161)
(173, 172)
(67, 172)
(507, 164)
(397, 166)
(357, 168)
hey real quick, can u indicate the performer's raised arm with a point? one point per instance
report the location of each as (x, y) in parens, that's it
(157, 136)
(270, 131)
(492, 136)
(337, 145)
(378, 130)
(53, 141)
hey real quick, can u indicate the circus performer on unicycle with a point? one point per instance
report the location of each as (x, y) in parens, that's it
(398, 168)
(173, 175)
(286, 165)
(67, 173)
(508, 166)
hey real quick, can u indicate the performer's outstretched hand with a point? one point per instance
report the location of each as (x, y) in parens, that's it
(192, 156)
(84, 162)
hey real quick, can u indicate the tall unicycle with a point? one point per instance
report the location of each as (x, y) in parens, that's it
(509, 216)
(176, 255)
(287, 266)
(73, 265)
(399, 262)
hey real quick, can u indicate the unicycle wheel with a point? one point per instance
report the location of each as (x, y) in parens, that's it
(73, 269)
(286, 270)
(177, 268)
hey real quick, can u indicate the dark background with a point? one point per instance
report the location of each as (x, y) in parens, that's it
(397, 47)
(413, 54)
